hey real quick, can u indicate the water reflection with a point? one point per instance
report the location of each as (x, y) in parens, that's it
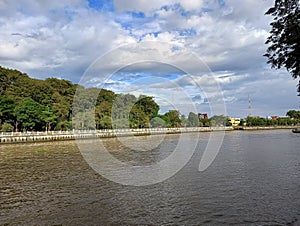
(253, 181)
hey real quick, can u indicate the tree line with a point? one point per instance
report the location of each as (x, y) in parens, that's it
(293, 118)
(28, 104)
(33, 104)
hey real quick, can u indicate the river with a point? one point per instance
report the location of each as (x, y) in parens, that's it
(254, 180)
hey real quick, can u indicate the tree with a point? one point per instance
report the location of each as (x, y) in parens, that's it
(219, 120)
(83, 120)
(49, 118)
(7, 106)
(284, 49)
(6, 127)
(158, 122)
(11, 82)
(256, 121)
(205, 122)
(185, 121)
(173, 119)
(148, 106)
(47, 104)
(243, 122)
(105, 123)
(193, 120)
(28, 113)
(293, 114)
(138, 118)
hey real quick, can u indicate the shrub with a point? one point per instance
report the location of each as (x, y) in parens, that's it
(6, 127)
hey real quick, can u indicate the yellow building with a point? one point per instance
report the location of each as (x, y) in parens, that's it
(235, 121)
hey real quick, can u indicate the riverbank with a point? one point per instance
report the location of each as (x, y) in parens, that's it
(20, 137)
(264, 127)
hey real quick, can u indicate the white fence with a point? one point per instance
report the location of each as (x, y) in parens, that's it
(114, 131)
(21, 137)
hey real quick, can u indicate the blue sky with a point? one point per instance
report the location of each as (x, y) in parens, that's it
(64, 38)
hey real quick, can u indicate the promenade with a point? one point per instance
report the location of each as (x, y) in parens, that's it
(26, 137)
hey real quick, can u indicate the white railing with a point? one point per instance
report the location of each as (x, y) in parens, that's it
(112, 131)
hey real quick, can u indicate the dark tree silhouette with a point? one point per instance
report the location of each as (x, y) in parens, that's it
(284, 39)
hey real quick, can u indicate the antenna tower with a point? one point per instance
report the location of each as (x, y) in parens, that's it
(249, 106)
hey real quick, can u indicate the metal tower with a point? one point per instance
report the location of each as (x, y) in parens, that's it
(249, 106)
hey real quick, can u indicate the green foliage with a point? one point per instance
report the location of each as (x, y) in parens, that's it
(7, 106)
(205, 122)
(284, 39)
(219, 120)
(11, 82)
(33, 104)
(158, 122)
(138, 118)
(185, 121)
(258, 121)
(293, 114)
(84, 120)
(243, 122)
(49, 118)
(103, 115)
(147, 104)
(28, 113)
(6, 127)
(105, 123)
(172, 118)
(193, 120)
(63, 125)
(143, 110)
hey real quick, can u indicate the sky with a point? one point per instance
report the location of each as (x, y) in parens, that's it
(201, 56)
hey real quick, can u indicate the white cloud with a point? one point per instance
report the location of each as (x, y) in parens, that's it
(30, 43)
(251, 12)
(192, 5)
(64, 37)
(150, 7)
(36, 7)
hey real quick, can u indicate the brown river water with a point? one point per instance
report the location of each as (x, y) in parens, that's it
(254, 180)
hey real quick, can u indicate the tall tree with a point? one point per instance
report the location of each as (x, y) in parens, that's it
(173, 118)
(293, 114)
(284, 39)
(219, 120)
(48, 117)
(148, 106)
(193, 120)
(157, 122)
(7, 106)
(28, 113)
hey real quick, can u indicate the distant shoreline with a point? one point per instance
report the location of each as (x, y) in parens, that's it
(32, 137)
(264, 127)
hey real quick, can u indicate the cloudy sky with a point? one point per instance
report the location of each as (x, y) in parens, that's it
(190, 55)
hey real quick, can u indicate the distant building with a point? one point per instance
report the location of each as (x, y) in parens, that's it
(277, 117)
(202, 116)
(235, 121)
